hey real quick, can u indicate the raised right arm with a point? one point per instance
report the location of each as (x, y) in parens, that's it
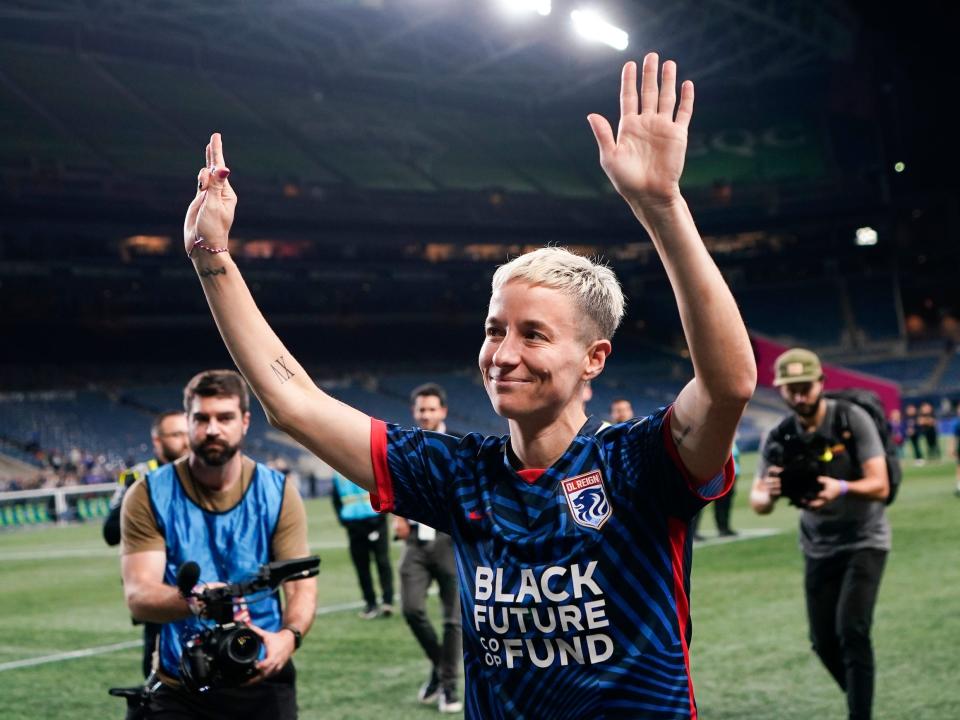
(333, 431)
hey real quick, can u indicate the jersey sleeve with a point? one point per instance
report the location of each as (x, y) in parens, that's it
(414, 473)
(664, 476)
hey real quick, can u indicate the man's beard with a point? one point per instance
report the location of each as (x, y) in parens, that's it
(169, 455)
(806, 410)
(215, 453)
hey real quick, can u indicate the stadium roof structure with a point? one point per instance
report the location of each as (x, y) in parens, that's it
(448, 112)
(434, 46)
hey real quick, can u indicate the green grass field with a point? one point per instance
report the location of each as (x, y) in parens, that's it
(60, 592)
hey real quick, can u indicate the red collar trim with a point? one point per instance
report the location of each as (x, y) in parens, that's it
(531, 475)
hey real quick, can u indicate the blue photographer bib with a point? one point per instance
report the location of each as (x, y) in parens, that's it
(228, 546)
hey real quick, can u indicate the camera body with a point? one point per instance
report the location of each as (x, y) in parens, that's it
(225, 654)
(803, 459)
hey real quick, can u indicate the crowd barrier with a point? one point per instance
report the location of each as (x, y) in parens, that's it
(78, 503)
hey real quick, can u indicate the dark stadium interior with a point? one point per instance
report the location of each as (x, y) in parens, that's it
(388, 157)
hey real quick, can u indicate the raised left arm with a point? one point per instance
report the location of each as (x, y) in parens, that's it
(645, 163)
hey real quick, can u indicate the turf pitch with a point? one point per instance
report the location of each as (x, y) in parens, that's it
(60, 592)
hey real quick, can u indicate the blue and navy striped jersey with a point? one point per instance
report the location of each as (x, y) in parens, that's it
(574, 585)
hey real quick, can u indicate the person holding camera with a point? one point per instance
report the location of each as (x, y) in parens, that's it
(844, 532)
(229, 515)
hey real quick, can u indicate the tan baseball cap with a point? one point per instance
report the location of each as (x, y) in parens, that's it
(797, 365)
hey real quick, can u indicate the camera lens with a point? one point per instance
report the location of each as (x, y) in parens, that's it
(243, 646)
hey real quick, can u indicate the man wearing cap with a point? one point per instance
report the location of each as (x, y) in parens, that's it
(844, 533)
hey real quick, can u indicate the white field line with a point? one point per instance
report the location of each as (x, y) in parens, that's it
(104, 649)
(93, 552)
(72, 655)
(751, 534)
(742, 535)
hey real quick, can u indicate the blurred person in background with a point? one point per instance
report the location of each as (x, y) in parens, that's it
(912, 432)
(927, 427)
(895, 421)
(369, 539)
(168, 434)
(428, 556)
(956, 447)
(621, 410)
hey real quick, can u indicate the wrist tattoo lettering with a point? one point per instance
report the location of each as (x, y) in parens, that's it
(208, 272)
(280, 369)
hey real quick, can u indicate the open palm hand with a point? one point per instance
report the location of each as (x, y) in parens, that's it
(645, 161)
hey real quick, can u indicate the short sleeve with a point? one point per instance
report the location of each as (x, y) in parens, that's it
(414, 472)
(290, 537)
(138, 526)
(868, 442)
(664, 476)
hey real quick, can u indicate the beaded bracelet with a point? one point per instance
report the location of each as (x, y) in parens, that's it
(198, 243)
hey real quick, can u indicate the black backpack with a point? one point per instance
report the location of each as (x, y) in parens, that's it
(870, 402)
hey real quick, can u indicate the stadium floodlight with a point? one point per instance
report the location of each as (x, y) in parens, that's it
(593, 27)
(866, 236)
(517, 7)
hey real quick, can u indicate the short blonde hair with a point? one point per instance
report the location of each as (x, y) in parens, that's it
(592, 285)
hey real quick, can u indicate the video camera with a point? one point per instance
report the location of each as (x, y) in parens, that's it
(802, 458)
(225, 655)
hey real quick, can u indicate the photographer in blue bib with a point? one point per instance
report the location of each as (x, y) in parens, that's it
(829, 459)
(229, 515)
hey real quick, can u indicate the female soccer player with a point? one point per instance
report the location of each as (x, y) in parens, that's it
(571, 538)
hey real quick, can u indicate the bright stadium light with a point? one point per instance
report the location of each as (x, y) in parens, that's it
(866, 236)
(517, 7)
(593, 27)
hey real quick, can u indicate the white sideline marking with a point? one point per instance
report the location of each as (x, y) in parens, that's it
(751, 534)
(107, 552)
(104, 649)
(742, 535)
(72, 655)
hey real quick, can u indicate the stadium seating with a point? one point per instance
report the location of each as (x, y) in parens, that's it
(811, 311)
(911, 372)
(874, 306)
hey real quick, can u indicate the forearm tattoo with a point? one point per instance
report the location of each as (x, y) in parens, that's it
(679, 437)
(280, 369)
(208, 272)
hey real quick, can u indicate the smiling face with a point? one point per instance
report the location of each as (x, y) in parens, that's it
(535, 356)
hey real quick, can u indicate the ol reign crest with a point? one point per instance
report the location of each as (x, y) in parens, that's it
(587, 499)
